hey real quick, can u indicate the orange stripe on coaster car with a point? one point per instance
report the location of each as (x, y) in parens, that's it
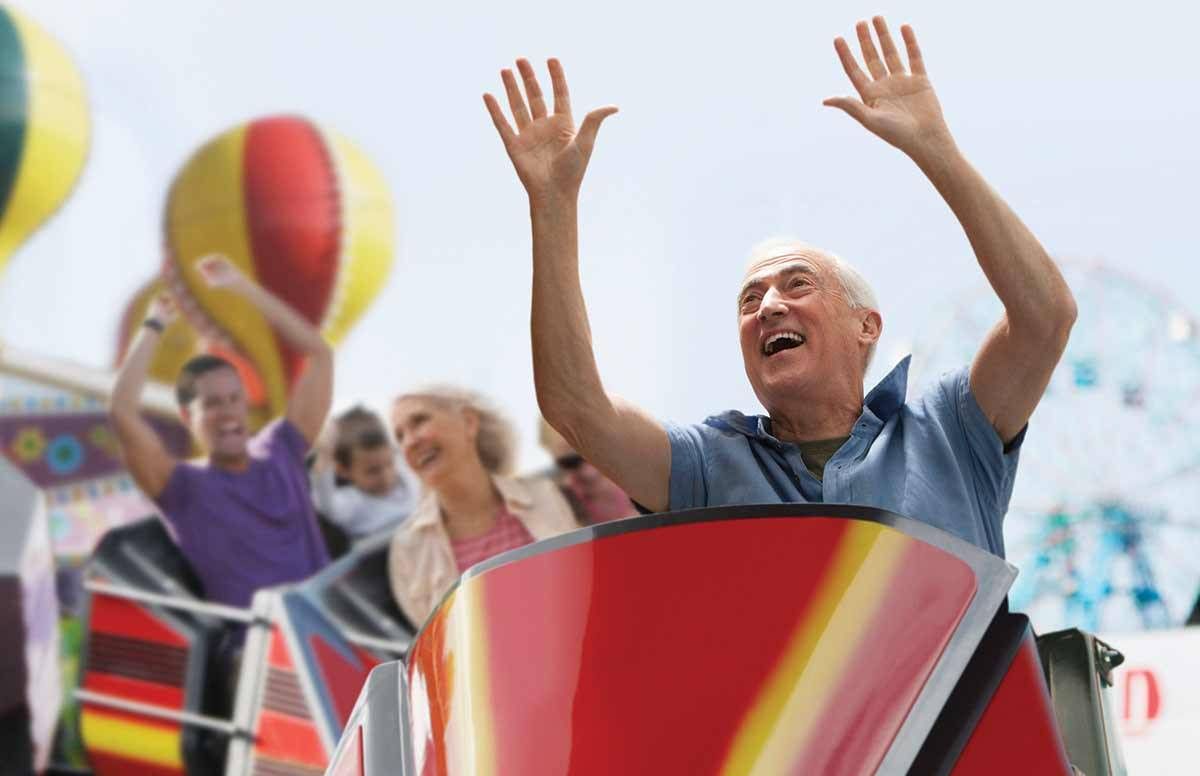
(127, 618)
(287, 738)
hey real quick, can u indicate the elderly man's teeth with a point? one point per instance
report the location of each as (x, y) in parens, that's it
(783, 341)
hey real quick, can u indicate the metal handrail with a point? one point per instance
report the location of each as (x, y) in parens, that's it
(200, 607)
(363, 640)
(161, 712)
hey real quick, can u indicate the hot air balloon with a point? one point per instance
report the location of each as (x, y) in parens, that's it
(177, 344)
(44, 128)
(299, 209)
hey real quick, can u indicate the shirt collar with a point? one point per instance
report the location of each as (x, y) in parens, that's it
(884, 401)
(513, 492)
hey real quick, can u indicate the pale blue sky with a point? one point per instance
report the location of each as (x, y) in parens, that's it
(1083, 117)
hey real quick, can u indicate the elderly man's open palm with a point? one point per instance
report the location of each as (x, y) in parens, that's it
(898, 104)
(550, 155)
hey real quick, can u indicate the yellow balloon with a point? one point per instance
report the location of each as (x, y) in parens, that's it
(177, 344)
(44, 128)
(301, 211)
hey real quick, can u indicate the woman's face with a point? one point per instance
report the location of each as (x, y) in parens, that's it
(436, 439)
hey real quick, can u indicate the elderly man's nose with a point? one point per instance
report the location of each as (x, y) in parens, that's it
(772, 305)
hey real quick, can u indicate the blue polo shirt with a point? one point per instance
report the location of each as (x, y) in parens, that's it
(936, 459)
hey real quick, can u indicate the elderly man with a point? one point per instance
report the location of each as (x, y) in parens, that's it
(808, 325)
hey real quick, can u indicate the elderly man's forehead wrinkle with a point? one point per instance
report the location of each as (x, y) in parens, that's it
(761, 274)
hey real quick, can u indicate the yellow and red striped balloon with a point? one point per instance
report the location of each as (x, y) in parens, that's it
(177, 344)
(301, 211)
(44, 128)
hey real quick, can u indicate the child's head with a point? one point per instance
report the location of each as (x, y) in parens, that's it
(362, 452)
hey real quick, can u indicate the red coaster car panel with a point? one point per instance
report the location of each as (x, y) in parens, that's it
(710, 641)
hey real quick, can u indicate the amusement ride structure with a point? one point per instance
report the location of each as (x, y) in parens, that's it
(1103, 521)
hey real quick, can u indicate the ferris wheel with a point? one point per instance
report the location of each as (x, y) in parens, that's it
(1104, 522)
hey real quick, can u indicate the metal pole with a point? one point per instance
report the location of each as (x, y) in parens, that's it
(171, 602)
(161, 712)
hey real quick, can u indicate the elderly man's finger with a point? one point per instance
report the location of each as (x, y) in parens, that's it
(497, 113)
(537, 105)
(890, 55)
(558, 79)
(850, 65)
(516, 103)
(870, 54)
(915, 62)
(590, 126)
(856, 108)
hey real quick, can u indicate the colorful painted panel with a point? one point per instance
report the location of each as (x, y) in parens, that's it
(133, 655)
(761, 646)
(57, 449)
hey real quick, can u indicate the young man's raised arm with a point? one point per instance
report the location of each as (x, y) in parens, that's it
(312, 396)
(1017, 358)
(147, 458)
(550, 158)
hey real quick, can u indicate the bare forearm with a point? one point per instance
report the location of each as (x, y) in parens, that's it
(564, 366)
(292, 326)
(131, 376)
(1034, 294)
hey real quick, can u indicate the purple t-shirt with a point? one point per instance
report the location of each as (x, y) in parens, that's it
(247, 530)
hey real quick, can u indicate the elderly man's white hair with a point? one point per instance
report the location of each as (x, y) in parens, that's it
(859, 294)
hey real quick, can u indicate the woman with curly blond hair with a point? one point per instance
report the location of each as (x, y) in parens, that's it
(471, 508)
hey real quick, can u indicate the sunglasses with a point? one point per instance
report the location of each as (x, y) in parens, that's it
(569, 462)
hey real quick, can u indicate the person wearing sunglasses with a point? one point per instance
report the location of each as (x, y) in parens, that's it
(594, 497)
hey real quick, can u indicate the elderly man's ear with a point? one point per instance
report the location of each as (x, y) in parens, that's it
(872, 327)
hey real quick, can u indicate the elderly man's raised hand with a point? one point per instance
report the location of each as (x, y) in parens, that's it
(898, 104)
(549, 154)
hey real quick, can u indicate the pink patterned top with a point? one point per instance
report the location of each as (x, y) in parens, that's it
(507, 534)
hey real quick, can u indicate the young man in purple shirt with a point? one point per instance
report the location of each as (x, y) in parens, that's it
(242, 516)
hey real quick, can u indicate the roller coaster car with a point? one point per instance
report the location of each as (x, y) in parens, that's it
(796, 639)
(164, 690)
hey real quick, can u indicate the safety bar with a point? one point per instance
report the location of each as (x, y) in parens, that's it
(150, 710)
(225, 612)
(363, 640)
(171, 602)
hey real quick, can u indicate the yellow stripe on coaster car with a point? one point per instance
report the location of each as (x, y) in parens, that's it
(788, 713)
(121, 737)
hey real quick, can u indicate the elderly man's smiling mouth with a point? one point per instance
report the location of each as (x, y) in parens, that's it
(780, 341)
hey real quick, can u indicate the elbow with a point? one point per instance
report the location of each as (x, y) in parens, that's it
(1052, 324)
(1067, 313)
(567, 415)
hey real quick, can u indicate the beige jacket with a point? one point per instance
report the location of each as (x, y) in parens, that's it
(421, 562)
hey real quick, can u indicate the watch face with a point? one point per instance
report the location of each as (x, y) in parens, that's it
(1104, 522)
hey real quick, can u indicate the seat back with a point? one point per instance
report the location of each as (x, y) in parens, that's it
(357, 594)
